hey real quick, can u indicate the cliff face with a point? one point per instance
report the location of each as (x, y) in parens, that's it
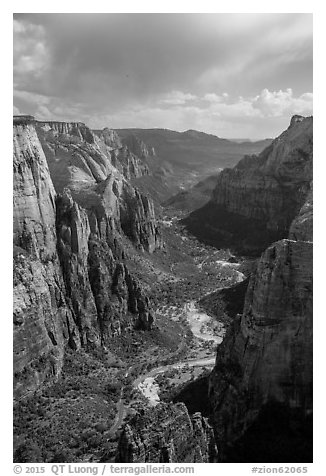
(43, 321)
(263, 370)
(71, 286)
(302, 226)
(261, 386)
(138, 147)
(93, 173)
(128, 160)
(273, 185)
(167, 435)
(254, 203)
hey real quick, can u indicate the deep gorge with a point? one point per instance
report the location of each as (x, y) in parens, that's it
(102, 275)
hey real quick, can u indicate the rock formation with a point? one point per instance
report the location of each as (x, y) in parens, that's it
(76, 218)
(87, 168)
(261, 386)
(138, 147)
(266, 357)
(78, 221)
(43, 320)
(254, 203)
(178, 160)
(301, 227)
(167, 434)
(128, 160)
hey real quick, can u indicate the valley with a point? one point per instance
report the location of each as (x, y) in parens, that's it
(141, 366)
(145, 331)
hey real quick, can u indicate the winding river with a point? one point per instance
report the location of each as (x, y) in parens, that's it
(204, 328)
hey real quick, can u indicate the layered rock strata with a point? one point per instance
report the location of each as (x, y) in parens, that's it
(138, 147)
(43, 320)
(168, 434)
(302, 226)
(128, 160)
(88, 168)
(75, 220)
(254, 203)
(263, 373)
(261, 386)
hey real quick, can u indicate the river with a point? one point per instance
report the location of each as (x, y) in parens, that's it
(204, 328)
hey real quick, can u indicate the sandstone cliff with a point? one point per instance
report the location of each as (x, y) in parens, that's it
(138, 147)
(167, 434)
(261, 386)
(254, 203)
(302, 227)
(75, 220)
(81, 161)
(127, 159)
(43, 320)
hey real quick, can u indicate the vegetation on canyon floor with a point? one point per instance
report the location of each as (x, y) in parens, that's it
(71, 420)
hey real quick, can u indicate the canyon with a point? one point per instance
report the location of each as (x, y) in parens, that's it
(254, 203)
(179, 160)
(128, 305)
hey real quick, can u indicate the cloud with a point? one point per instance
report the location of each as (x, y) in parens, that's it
(31, 55)
(213, 98)
(263, 115)
(279, 103)
(222, 115)
(177, 98)
(184, 70)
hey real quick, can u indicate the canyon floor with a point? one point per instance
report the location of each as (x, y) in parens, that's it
(97, 393)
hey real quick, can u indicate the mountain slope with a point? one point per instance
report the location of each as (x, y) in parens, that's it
(76, 219)
(254, 203)
(261, 385)
(193, 198)
(178, 160)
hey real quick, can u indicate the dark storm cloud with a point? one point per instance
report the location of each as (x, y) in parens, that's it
(105, 64)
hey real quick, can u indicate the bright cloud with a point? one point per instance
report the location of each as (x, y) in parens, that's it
(177, 98)
(264, 115)
(278, 103)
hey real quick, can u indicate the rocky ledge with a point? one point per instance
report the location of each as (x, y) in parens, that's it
(167, 434)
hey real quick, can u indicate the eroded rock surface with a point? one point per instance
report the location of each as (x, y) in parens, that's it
(96, 177)
(263, 371)
(261, 385)
(76, 218)
(254, 203)
(43, 320)
(167, 434)
(138, 147)
(127, 158)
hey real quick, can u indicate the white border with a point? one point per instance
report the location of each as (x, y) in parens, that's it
(59, 6)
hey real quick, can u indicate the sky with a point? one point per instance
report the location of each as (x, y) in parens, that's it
(232, 75)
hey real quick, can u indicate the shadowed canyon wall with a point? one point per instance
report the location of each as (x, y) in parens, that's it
(261, 386)
(254, 203)
(77, 219)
